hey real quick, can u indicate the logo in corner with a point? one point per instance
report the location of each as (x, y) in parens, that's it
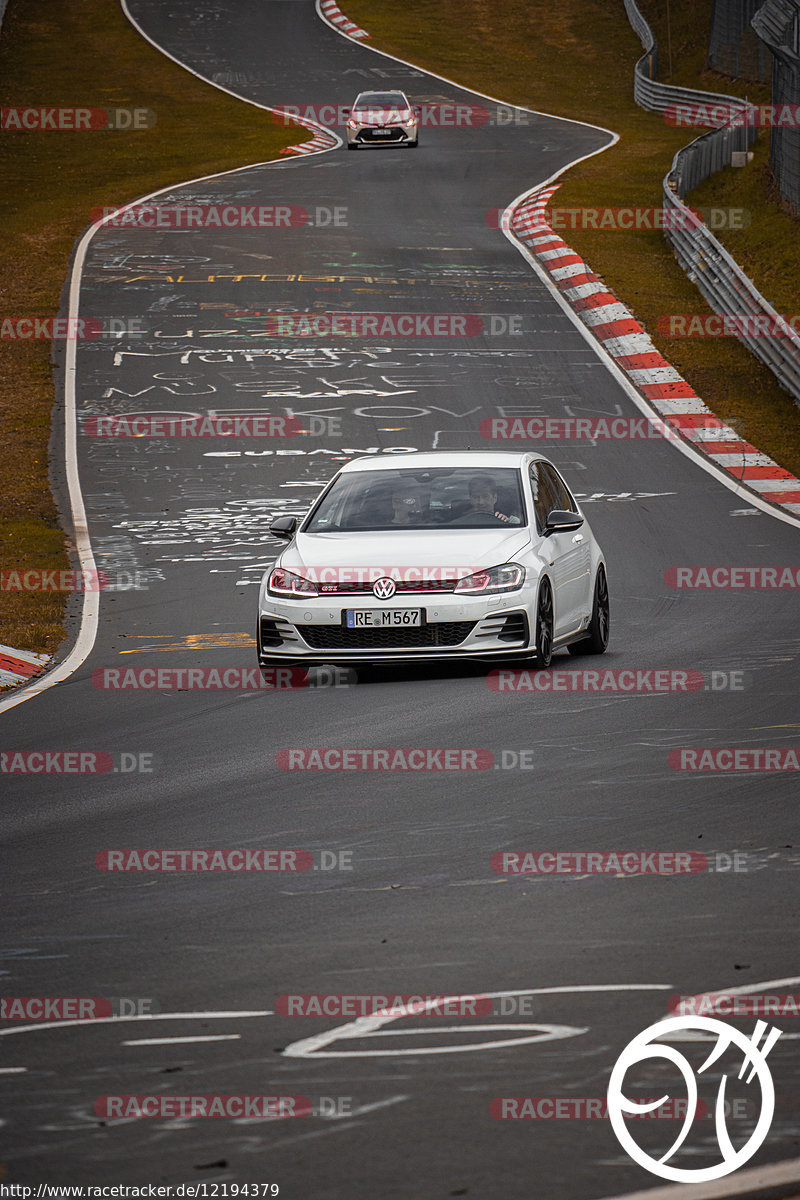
(646, 1046)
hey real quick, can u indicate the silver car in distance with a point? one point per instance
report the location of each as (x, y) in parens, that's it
(441, 555)
(382, 119)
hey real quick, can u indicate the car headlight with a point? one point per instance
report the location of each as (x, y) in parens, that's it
(286, 583)
(411, 121)
(352, 124)
(507, 578)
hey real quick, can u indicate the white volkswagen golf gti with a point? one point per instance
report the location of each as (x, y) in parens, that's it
(441, 555)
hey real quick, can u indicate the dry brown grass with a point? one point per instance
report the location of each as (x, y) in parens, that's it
(81, 53)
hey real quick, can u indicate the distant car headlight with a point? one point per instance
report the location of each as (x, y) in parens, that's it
(286, 583)
(507, 578)
(412, 121)
(352, 124)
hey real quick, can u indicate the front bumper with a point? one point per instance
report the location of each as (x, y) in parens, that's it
(450, 628)
(392, 135)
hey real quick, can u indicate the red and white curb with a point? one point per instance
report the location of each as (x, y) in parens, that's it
(321, 141)
(629, 345)
(332, 13)
(17, 666)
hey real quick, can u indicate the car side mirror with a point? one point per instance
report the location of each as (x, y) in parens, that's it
(283, 528)
(417, 109)
(560, 520)
(346, 111)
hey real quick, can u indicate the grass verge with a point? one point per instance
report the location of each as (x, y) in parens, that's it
(576, 60)
(82, 53)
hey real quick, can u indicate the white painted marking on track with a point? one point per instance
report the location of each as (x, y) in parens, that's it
(211, 1037)
(13, 1070)
(544, 1033)
(364, 1026)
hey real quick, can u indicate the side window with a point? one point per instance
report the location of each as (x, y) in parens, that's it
(543, 494)
(557, 489)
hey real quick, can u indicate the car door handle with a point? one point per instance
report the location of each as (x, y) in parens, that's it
(578, 538)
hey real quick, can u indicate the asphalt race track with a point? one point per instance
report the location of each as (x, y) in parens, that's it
(412, 907)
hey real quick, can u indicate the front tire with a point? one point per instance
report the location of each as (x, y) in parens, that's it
(352, 145)
(600, 624)
(544, 626)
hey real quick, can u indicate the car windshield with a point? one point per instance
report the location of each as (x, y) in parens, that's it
(381, 100)
(439, 498)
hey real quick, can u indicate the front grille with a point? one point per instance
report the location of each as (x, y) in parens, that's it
(339, 637)
(368, 135)
(403, 586)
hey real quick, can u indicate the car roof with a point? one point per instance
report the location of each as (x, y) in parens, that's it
(442, 458)
(383, 92)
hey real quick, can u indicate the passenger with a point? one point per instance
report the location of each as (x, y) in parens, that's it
(408, 505)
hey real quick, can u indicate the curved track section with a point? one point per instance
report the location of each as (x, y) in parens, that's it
(404, 900)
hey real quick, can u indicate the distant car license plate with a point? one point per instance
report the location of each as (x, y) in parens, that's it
(382, 132)
(380, 618)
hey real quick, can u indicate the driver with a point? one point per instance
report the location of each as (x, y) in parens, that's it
(483, 497)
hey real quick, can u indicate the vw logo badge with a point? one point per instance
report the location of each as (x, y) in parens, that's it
(384, 588)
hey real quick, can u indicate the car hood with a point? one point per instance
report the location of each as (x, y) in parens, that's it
(469, 549)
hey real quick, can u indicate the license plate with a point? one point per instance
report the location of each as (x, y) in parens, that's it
(382, 133)
(382, 618)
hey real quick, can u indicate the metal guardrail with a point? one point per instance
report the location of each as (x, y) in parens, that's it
(717, 275)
